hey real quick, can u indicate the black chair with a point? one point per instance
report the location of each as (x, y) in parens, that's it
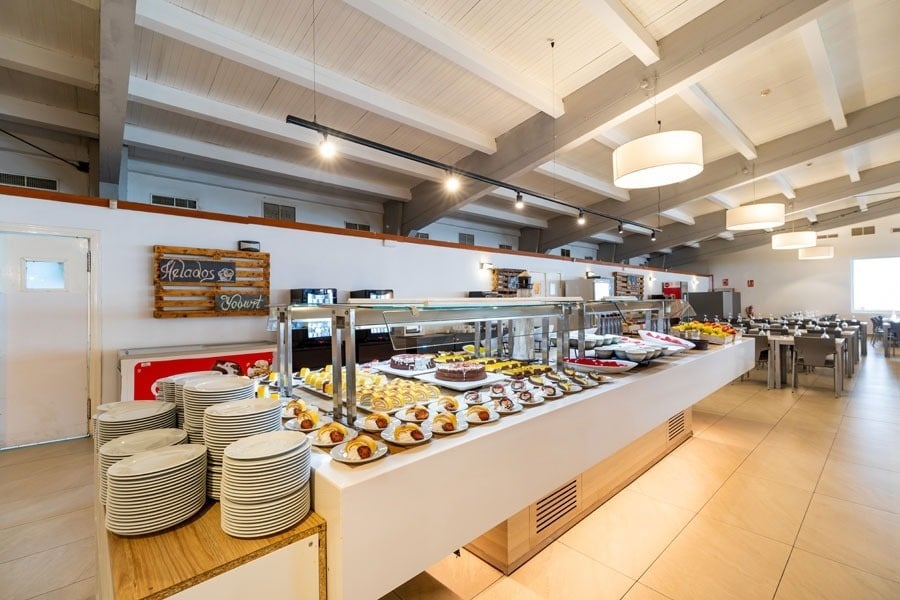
(811, 352)
(760, 351)
(893, 336)
(877, 329)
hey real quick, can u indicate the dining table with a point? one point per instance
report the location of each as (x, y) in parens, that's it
(780, 349)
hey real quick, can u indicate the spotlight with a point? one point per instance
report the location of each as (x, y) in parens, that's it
(327, 149)
(581, 219)
(452, 183)
(621, 228)
(652, 236)
(520, 203)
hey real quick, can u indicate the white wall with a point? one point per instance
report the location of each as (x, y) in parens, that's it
(298, 259)
(784, 284)
(19, 159)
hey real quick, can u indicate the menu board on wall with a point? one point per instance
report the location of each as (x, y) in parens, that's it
(203, 282)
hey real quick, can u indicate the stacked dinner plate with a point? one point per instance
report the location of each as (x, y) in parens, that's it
(128, 445)
(203, 392)
(265, 483)
(122, 418)
(172, 389)
(155, 489)
(230, 421)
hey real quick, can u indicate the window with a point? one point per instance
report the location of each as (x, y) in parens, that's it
(357, 226)
(279, 212)
(467, 238)
(875, 285)
(173, 201)
(45, 275)
(565, 252)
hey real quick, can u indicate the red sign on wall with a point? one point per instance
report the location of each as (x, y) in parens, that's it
(749, 283)
(725, 281)
(146, 373)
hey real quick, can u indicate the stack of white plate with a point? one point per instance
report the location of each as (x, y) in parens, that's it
(230, 421)
(265, 483)
(172, 388)
(122, 418)
(156, 489)
(129, 445)
(205, 391)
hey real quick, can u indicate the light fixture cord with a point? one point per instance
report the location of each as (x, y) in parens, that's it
(315, 16)
(553, 99)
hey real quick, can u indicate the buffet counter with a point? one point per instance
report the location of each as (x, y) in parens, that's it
(390, 519)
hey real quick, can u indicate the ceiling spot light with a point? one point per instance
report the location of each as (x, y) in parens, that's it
(793, 240)
(816, 253)
(621, 228)
(452, 183)
(754, 216)
(581, 219)
(327, 148)
(658, 159)
(653, 236)
(520, 203)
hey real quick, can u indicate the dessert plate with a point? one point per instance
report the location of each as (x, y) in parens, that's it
(461, 425)
(387, 368)
(293, 425)
(473, 420)
(406, 415)
(388, 435)
(536, 398)
(461, 386)
(351, 433)
(361, 423)
(495, 405)
(339, 453)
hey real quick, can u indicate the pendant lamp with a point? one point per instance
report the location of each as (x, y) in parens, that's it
(658, 159)
(754, 216)
(816, 253)
(793, 240)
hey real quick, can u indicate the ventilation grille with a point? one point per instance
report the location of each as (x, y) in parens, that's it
(870, 230)
(556, 506)
(357, 226)
(565, 252)
(895, 230)
(676, 426)
(422, 236)
(38, 183)
(826, 236)
(505, 247)
(467, 239)
(173, 201)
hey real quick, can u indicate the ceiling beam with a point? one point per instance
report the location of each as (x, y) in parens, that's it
(783, 185)
(506, 216)
(20, 55)
(116, 39)
(675, 214)
(579, 179)
(191, 28)
(206, 109)
(821, 64)
(16, 109)
(863, 204)
(147, 138)
(810, 215)
(864, 125)
(851, 161)
(726, 235)
(722, 201)
(832, 220)
(697, 98)
(626, 28)
(460, 50)
(820, 194)
(608, 237)
(729, 29)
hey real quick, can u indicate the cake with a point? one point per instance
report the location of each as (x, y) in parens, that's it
(412, 362)
(461, 371)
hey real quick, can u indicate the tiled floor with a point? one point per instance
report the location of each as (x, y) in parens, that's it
(778, 495)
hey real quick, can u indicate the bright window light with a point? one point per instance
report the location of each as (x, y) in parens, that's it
(876, 287)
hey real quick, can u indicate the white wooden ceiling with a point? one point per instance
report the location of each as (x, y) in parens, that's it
(470, 82)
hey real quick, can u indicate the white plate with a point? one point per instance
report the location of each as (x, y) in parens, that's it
(242, 408)
(351, 433)
(536, 398)
(387, 368)
(139, 442)
(505, 411)
(574, 388)
(475, 421)
(555, 396)
(157, 460)
(136, 411)
(388, 435)
(293, 425)
(608, 365)
(662, 339)
(409, 418)
(224, 383)
(477, 398)
(339, 453)
(361, 423)
(265, 445)
(461, 386)
(461, 425)
(389, 411)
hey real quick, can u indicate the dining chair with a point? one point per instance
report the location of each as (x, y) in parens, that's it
(811, 352)
(877, 329)
(893, 336)
(760, 352)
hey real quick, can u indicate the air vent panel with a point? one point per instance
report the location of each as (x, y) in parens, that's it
(38, 183)
(555, 506)
(676, 426)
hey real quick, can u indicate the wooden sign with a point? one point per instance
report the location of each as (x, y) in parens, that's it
(202, 282)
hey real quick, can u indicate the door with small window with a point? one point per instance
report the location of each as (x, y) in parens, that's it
(44, 337)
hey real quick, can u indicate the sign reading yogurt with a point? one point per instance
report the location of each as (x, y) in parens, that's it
(241, 302)
(195, 271)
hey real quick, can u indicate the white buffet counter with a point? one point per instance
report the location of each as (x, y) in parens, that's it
(391, 519)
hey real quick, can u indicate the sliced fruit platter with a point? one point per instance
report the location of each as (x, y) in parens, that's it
(662, 339)
(714, 333)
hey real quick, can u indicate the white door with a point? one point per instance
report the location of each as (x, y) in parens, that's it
(44, 338)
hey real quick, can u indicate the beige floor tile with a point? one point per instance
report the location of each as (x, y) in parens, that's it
(713, 455)
(49, 570)
(806, 417)
(789, 435)
(880, 431)
(559, 572)
(826, 403)
(508, 589)
(712, 560)
(466, 575)
(869, 451)
(853, 534)
(642, 592)
(876, 488)
(764, 408)
(628, 532)
(29, 510)
(425, 587)
(736, 432)
(720, 403)
(870, 410)
(86, 589)
(47, 467)
(771, 509)
(47, 483)
(809, 576)
(700, 420)
(14, 456)
(30, 538)
(794, 464)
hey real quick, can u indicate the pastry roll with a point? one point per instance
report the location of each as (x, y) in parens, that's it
(361, 447)
(448, 403)
(445, 422)
(297, 406)
(332, 433)
(408, 432)
(307, 419)
(377, 420)
(478, 412)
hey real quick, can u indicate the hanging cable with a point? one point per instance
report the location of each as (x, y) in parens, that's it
(80, 165)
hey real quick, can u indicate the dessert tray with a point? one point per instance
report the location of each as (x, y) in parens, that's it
(462, 386)
(386, 367)
(610, 365)
(293, 425)
(339, 453)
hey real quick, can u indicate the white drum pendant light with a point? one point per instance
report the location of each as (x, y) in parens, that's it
(816, 253)
(658, 159)
(754, 216)
(793, 240)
